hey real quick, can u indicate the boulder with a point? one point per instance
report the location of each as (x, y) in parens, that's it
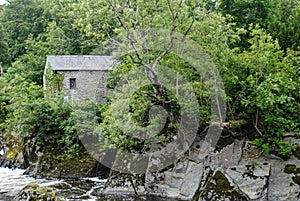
(34, 192)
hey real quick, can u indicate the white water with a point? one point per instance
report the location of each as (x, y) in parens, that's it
(88, 189)
(12, 181)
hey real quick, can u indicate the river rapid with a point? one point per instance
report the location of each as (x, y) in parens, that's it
(12, 181)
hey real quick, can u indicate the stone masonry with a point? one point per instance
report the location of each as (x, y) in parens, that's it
(89, 85)
(84, 76)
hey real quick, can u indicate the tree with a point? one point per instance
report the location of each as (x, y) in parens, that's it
(278, 17)
(18, 20)
(136, 23)
(268, 92)
(35, 121)
(283, 24)
(31, 64)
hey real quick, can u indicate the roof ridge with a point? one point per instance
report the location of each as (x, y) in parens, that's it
(81, 62)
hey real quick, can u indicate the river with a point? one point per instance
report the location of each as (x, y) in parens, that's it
(12, 181)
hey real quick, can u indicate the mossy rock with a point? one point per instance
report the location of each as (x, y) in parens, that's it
(222, 183)
(290, 169)
(296, 179)
(66, 167)
(296, 152)
(34, 192)
(218, 187)
(15, 147)
(13, 153)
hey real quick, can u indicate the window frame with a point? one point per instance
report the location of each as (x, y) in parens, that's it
(72, 83)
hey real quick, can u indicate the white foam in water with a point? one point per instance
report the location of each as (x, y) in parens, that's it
(96, 179)
(12, 181)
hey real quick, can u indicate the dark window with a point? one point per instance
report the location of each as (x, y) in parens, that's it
(72, 83)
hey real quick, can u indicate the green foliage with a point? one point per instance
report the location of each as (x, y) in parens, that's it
(22, 97)
(27, 115)
(278, 17)
(253, 43)
(255, 79)
(246, 12)
(31, 64)
(283, 23)
(32, 29)
(270, 93)
(53, 83)
(18, 20)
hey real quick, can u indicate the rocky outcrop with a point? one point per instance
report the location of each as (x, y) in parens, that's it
(16, 153)
(12, 153)
(237, 172)
(284, 183)
(66, 167)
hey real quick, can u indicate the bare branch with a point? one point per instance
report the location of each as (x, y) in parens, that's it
(135, 15)
(135, 61)
(118, 16)
(177, 13)
(145, 47)
(140, 62)
(173, 15)
(163, 53)
(153, 15)
(256, 124)
(167, 49)
(132, 41)
(190, 27)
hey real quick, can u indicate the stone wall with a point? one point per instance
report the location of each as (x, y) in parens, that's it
(89, 85)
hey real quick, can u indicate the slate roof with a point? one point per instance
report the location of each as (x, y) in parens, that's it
(81, 62)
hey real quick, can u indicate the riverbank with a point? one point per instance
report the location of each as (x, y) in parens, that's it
(233, 170)
(238, 172)
(14, 183)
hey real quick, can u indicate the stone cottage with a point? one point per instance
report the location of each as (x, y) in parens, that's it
(81, 77)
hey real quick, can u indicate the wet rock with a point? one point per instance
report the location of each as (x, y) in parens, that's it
(229, 156)
(66, 167)
(186, 177)
(34, 192)
(283, 183)
(251, 177)
(180, 182)
(122, 183)
(226, 175)
(219, 187)
(201, 174)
